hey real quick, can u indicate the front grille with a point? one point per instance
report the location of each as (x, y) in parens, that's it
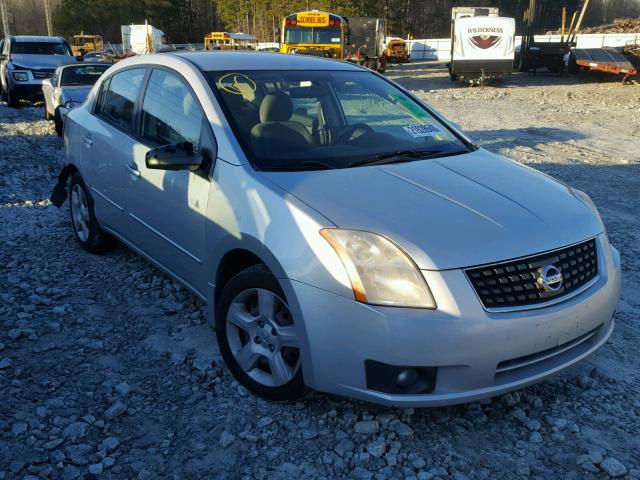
(519, 283)
(42, 74)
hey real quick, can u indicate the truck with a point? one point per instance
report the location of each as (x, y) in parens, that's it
(482, 44)
(141, 39)
(26, 61)
(397, 50)
(83, 44)
(366, 42)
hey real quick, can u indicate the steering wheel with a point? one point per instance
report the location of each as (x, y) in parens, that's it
(346, 134)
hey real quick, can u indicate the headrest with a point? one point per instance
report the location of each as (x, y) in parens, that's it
(276, 107)
(189, 105)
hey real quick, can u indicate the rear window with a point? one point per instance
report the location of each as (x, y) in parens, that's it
(82, 75)
(40, 48)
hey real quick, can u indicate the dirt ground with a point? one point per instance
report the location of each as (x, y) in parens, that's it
(108, 370)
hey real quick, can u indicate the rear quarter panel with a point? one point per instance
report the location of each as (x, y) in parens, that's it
(73, 139)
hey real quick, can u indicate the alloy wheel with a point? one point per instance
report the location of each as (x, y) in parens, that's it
(262, 337)
(80, 212)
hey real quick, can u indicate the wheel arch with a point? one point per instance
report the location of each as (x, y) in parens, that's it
(239, 257)
(252, 252)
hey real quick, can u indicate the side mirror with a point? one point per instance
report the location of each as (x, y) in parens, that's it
(174, 156)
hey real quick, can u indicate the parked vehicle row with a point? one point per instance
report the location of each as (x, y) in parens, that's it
(68, 88)
(26, 61)
(344, 235)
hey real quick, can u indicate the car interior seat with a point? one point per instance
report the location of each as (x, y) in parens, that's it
(276, 132)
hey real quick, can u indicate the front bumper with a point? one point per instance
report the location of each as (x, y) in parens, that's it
(31, 89)
(478, 354)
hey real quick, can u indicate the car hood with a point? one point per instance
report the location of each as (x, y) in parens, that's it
(451, 212)
(40, 61)
(75, 93)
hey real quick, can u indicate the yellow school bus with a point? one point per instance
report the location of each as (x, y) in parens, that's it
(314, 33)
(230, 41)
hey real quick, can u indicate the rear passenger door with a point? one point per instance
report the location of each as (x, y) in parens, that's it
(168, 208)
(108, 147)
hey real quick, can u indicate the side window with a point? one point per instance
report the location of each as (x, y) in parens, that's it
(170, 112)
(119, 96)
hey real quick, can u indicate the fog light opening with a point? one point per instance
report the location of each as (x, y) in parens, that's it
(407, 377)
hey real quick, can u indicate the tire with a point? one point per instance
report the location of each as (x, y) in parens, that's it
(57, 121)
(259, 339)
(83, 219)
(13, 100)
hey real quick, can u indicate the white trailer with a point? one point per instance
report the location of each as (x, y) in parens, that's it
(482, 44)
(141, 39)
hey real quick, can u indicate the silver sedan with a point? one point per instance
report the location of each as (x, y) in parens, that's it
(68, 88)
(344, 235)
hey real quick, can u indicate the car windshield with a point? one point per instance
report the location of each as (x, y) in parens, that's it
(286, 120)
(40, 48)
(82, 74)
(312, 35)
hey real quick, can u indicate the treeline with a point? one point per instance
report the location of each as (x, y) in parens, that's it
(186, 21)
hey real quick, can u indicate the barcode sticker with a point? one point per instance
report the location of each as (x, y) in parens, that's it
(422, 130)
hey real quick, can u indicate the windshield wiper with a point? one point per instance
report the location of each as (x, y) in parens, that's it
(299, 165)
(400, 156)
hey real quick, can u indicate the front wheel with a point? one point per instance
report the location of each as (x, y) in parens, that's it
(85, 227)
(257, 336)
(13, 100)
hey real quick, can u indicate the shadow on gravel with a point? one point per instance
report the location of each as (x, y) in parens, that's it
(528, 137)
(27, 112)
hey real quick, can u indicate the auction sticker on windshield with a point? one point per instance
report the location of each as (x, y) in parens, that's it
(422, 130)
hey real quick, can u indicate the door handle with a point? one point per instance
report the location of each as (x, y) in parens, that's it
(87, 139)
(133, 170)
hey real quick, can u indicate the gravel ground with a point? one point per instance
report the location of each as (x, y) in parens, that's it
(108, 370)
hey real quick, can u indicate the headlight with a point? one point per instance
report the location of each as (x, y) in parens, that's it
(20, 76)
(71, 104)
(380, 272)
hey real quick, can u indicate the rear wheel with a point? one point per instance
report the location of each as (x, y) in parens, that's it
(85, 227)
(257, 335)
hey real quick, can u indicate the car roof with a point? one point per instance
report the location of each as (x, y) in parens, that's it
(36, 38)
(243, 60)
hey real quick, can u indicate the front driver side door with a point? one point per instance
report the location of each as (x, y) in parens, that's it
(168, 208)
